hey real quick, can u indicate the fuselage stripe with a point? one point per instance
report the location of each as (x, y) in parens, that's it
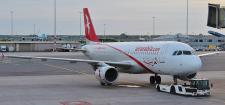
(131, 57)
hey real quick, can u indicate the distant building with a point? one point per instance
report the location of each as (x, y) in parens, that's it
(198, 42)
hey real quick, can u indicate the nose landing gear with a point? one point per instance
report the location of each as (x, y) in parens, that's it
(175, 80)
(155, 79)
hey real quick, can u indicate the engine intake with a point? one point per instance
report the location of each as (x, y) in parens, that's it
(106, 74)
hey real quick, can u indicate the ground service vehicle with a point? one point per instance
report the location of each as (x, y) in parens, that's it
(196, 87)
(3, 49)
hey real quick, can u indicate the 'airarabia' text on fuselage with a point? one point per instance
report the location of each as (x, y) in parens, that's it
(147, 49)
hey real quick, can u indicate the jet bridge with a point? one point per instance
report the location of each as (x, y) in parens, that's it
(216, 16)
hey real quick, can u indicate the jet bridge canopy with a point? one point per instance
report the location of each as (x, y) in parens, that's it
(216, 16)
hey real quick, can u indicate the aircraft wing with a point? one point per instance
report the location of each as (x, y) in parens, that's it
(91, 62)
(208, 54)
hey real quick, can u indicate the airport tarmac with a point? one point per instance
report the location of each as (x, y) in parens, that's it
(32, 82)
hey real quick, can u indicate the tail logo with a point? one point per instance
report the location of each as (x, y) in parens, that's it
(88, 25)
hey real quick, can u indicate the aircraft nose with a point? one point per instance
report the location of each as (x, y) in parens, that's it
(196, 64)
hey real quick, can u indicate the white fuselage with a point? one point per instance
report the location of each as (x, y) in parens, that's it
(147, 57)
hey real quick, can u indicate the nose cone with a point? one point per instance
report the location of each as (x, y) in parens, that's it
(195, 64)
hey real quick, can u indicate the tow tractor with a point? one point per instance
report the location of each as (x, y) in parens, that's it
(196, 87)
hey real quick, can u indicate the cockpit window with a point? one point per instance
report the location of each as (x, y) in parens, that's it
(175, 53)
(187, 52)
(179, 53)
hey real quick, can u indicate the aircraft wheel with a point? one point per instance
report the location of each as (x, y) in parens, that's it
(152, 80)
(158, 79)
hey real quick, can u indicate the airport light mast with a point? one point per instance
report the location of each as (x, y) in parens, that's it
(80, 25)
(104, 31)
(12, 22)
(34, 29)
(153, 25)
(54, 49)
(187, 19)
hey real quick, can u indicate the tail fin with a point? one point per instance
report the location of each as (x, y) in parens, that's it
(89, 28)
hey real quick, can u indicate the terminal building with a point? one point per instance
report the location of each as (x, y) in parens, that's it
(36, 46)
(198, 42)
(32, 43)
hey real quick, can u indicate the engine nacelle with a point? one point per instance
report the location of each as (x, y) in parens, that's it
(187, 77)
(106, 74)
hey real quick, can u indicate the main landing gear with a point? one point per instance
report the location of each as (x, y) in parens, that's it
(155, 79)
(175, 80)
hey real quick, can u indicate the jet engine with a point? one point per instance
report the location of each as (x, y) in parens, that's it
(106, 74)
(187, 77)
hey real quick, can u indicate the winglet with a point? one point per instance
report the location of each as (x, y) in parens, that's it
(89, 28)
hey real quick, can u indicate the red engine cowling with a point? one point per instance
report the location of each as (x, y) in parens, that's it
(106, 74)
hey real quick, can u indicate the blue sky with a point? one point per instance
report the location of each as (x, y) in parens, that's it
(129, 16)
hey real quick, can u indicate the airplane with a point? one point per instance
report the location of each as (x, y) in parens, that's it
(38, 37)
(158, 58)
(42, 37)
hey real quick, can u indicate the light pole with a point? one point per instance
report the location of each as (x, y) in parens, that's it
(104, 31)
(12, 22)
(187, 18)
(80, 24)
(153, 25)
(54, 26)
(34, 29)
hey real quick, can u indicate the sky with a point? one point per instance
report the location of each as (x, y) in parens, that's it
(120, 16)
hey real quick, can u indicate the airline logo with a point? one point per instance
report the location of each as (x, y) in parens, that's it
(87, 26)
(147, 49)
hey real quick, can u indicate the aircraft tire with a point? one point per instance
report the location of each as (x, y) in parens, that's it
(158, 79)
(152, 80)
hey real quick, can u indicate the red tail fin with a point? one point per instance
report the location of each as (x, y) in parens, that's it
(89, 28)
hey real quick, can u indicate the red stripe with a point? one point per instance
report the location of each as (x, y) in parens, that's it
(131, 57)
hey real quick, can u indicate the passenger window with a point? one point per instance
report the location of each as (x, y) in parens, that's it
(179, 53)
(187, 52)
(175, 53)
